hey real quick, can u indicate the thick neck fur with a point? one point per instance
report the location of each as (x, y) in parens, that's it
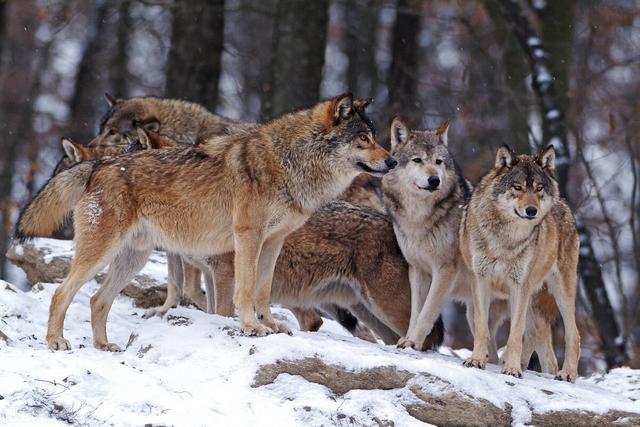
(425, 210)
(315, 173)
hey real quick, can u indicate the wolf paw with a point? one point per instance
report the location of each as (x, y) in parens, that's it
(513, 371)
(282, 328)
(563, 375)
(474, 363)
(405, 342)
(58, 343)
(114, 348)
(152, 312)
(257, 330)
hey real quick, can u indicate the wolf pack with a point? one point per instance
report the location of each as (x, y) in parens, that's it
(309, 211)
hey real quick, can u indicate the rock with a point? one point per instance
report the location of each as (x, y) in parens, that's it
(42, 266)
(336, 378)
(585, 419)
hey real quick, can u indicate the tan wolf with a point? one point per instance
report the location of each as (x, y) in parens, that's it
(425, 195)
(75, 153)
(516, 234)
(242, 192)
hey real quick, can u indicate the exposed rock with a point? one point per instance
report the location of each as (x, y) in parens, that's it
(585, 419)
(336, 378)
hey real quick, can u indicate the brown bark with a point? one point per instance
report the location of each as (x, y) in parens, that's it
(298, 56)
(194, 64)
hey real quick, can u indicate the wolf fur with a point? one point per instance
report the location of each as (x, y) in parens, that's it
(244, 192)
(517, 234)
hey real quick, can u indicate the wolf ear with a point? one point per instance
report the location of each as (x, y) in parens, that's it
(443, 132)
(111, 100)
(152, 125)
(361, 104)
(343, 107)
(399, 133)
(505, 157)
(143, 139)
(547, 158)
(71, 150)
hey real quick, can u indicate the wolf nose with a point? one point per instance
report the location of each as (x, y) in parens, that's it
(434, 181)
(531, 211)
(391, 162)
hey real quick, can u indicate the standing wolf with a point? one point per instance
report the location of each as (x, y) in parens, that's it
(517, 233)
(242, 192)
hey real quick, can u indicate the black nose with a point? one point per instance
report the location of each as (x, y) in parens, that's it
(391, 162)
(434, 181)
(531, 211)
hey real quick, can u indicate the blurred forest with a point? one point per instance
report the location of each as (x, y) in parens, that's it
(526, 73)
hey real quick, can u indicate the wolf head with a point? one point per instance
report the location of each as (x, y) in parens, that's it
(123, 119)
(425, 168)
(350, 135)
(75, 153)
(524, 187)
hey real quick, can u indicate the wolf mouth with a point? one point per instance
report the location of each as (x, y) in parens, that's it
(366, 168)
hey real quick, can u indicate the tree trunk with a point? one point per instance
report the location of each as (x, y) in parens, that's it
(402, 85)
(362, 24)
(197, 36)
(299, 39)
(555, 133)
(119, 74)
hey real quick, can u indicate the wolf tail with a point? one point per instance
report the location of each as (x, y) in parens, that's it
(51, 206)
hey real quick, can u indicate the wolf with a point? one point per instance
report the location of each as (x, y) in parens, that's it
(182, 122)
(75, 153)
(517, 234)
(424, 196)
(344, 255)
(244, 192)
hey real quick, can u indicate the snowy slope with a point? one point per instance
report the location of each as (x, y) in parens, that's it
(192, 368)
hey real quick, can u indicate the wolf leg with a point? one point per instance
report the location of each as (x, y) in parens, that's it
(565, 294)
(174, 287)
(419, 281)
(89, 259)
(440, 289)
(544, 344)
(192, 288)
(498, 311)
(248, 244)
(519, 301)
(210, 286)
(266, 266)
(308, 318)
(481, 291)
(125, 265)
(221, 268)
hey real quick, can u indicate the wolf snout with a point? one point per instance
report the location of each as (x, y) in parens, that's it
(531, 211)
(391, 162)
(434, 182)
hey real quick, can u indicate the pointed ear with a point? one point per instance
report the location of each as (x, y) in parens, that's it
(399, 132)
(342, 107)
(361, 104)
(111, 100)
(505, 157)
(143, 138)
(443, 132)
(547, 158)
(152, 125)
(71, 150)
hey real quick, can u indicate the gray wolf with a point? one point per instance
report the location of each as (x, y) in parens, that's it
(243, 192)
(516, 234)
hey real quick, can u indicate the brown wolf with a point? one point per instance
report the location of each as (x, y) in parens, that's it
(75, 153)
(183, 122)
(517, 233)
(425, 195)
(243, 192)
(344, 255)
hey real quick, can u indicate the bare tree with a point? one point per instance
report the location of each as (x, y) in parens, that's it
(297, 56)
(193, 69)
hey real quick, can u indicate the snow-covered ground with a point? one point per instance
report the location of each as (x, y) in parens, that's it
(192, 368)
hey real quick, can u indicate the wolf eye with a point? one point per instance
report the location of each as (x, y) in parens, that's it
(416, 160)
(539, 188)
(438, 161)
(517, 187)
(364, 138)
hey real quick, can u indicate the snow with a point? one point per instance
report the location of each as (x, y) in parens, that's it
(193, 368)
(534, 41)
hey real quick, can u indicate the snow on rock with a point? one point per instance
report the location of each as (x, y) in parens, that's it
(193, 368)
